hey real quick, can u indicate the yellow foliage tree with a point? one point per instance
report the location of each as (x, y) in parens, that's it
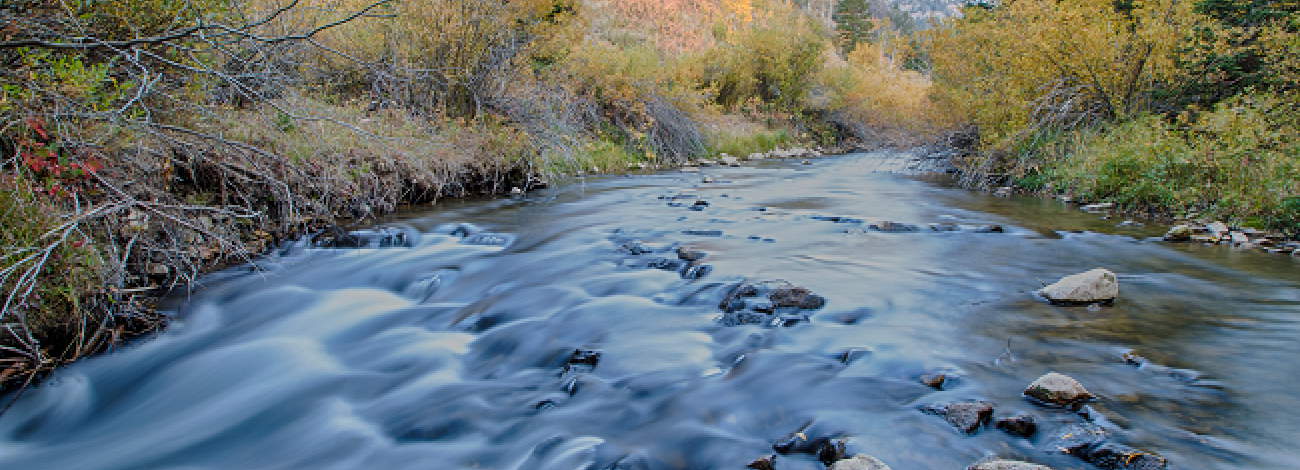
(1018, 67)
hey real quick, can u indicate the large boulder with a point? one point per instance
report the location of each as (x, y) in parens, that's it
(860, 462)
(1058, 389)
(1001, 464)
(1097, 285)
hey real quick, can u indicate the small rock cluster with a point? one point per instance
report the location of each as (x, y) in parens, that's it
(685, 263)
(768, 303)
(1245, 238)
(1085, 439)
(729, 160)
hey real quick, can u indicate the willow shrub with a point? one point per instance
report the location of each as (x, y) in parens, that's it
(773, 60)
(1024, 65)
(1239, 161)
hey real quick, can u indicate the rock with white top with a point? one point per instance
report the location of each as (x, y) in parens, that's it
(860, 462)
(1002, 464)
(1058, 389)
(1097, 285)
(1217, 229)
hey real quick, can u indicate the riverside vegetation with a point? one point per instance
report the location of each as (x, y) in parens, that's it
(148, 142)
(1168, 108)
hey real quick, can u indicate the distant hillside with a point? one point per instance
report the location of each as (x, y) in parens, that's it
(923, 10)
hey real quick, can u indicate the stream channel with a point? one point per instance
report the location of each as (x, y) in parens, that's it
(457, 352)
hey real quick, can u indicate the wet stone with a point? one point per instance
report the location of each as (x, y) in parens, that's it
(635, 248)
(989, 229)
(1057, 389)
(703, 233)
(768, 303)
(378, 238)
(967, 417)
(945, 227)
(688, 254)
(887, 226)
(934, 381)
(1076, 438)
(827, 450)
(696, 272)
(582, 360)
(1111, 456)
(797, 297)
(763, 463)
(1022, 425)
(1134, 359)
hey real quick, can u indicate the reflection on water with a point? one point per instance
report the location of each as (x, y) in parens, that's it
(451, 355)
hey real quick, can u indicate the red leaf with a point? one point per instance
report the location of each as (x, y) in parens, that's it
(38, 125)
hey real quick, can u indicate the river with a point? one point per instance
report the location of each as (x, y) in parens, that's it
(452, 355)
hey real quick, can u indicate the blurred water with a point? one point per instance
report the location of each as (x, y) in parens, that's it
(438, 356)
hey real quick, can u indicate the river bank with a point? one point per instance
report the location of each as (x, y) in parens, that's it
(104, 272)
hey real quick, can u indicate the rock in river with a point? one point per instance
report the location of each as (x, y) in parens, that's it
(1112, 456)
(1022, 425)
(860, 462)
(965, 416)
(1058, 389)
(1001, 464)
(1179, 233)
(1097, 285)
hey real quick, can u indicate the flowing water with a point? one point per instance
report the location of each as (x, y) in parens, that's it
(451, 355)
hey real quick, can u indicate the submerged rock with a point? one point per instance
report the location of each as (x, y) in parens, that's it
(763, 463)
(1111, 456)
(934, 381)
(1002, 464)
(797, 297)
(1058, 389)
(377, 238)
(827, 450)
(1021, 424)
(1097, 285)
(967, 417)
(887, 226)
(582, 359)
(860, 462)
(688, 254)
(1075, 439)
